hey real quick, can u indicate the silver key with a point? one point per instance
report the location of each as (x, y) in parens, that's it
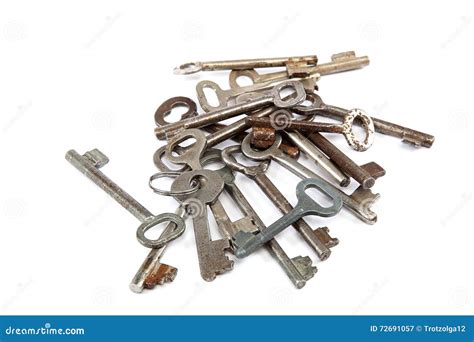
(224, 97)
(358, 203)
(212, 117)
(318, 239)
(151, 272)
(246, 243)
(242, 64)
(89, 165)
(211, 253)
(298, 269)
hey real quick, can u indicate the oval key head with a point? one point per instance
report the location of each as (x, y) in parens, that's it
(298, 96)
(311, 207)
(211, 185)
(205, 105)
(167, 107)
(235, 74)
(188, 68)
(315, 106)
(160, 164)
(251, 153)
(192, 154)
(348, 130)
(155, 220)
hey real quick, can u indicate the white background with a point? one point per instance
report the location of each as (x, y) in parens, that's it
(92, 75)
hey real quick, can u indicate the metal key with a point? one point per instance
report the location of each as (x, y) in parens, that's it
(344, 61)
(298, 269)
(241, 64)
(224, 97)
(90, 163)
(152, 272)
(211, 253)
(314, 238)
(358, 203)
(365, 175)
(407, 135)
(246, 243)
(219, 132)
(213, 117)
(346, 128)
(281, 117)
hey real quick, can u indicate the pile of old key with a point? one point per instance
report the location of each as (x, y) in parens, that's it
(266, 132)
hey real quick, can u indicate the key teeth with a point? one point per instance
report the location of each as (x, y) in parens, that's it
(97, 158)
(305, 266)
(161, 274)
(323, 235)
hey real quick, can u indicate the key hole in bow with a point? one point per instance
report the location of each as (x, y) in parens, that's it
(184, 144)
(319, 197)
(244, 81)
(154, 232)
(287, 92)
(211, 96)
(176, 112)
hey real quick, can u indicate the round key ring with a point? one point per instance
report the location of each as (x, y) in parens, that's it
(348, 130)
(194, 184)
(155, 220)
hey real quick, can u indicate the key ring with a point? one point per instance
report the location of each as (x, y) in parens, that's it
(194, 184)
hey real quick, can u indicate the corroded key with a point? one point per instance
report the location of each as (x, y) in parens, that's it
(242, 64)
(246, 243)
(211, 253)
(213, 117)
(319, 241)
(407, 135)
(340, 62)
(358, 203)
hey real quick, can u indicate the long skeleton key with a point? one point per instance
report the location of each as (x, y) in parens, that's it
(219, 132)
(318, 239)
(211, 253)
(246, 107)
(344, 61)
(298, 269)
(89, 165)
(246, 243)
(407, 135)
(346, 128)
(358, 203)
(242, 64)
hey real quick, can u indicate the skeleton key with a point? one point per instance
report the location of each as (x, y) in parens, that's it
(225, 96)
(344, 61)
(281, 118)
(365, 175)
(346, 128)
(152, 272)
(213, 117)
(219, 132)
(298, 269)
(211, 253)
(246, 243)
(318, 239)
(358, 203)
(242, 64)
(407, 135)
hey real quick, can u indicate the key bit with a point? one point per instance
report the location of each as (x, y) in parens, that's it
(305, 266)
(161, 273)
(323, 235)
